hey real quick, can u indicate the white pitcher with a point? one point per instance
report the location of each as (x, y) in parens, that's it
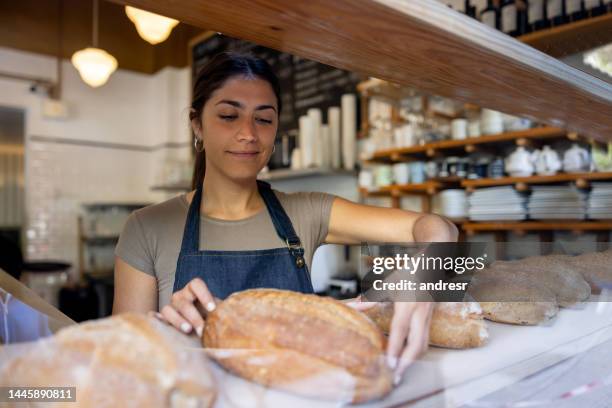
(519, 163)
(547, 161)
(576, 159)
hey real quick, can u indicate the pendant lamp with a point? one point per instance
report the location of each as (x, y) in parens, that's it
(152, 27)
(94, 64)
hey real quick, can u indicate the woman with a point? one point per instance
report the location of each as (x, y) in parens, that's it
(253, 236)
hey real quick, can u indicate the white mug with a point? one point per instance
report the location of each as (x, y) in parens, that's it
(459, 128)
(401, 173)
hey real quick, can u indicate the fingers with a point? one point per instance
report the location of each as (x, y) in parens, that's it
(184, 312)
(202, 294)
(417, 340)
(400, 326)
(175, 319)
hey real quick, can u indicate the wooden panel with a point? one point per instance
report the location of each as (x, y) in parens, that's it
(416, 43)
(571, 38)
(34, 26)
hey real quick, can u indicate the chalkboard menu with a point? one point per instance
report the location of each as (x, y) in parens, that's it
(304, 83)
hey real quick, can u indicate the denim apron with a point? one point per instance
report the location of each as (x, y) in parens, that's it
(226, 272)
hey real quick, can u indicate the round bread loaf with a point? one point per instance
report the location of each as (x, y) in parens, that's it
(127, 360)
(305, 344)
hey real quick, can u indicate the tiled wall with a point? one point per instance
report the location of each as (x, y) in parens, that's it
(111, 147)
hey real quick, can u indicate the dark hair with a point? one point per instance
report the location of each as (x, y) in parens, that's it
(212, 76)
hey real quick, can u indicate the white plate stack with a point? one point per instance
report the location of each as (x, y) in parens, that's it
(600, 201)
(497, 204)
(557, 202)
(450, 203)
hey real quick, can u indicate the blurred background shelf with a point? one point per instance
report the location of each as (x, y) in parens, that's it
(521, 138)
(537, 226)
(521, 183)
(573, 37)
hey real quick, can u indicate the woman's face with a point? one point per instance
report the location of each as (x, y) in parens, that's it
(239, 123)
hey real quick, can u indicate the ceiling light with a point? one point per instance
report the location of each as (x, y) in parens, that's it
(150, 26)
(600, 59)
(94, 64)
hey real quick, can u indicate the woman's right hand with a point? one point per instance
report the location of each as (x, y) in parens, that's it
(188, 307)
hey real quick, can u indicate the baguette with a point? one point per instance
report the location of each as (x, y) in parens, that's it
(456, 325)
(305, 344)
(124, 360)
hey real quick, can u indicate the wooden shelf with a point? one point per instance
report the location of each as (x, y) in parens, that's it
(429, 187)
(521, 183)
(429, 149)
(537, 226)
(572, 38)
(426, 46)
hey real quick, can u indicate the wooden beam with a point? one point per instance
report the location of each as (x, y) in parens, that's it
(417, 43)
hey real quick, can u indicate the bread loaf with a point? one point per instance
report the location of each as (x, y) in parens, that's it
(552, 272)
(305, 344)
(505, 299)
(120, 361)
(457, 325)
(595, 267)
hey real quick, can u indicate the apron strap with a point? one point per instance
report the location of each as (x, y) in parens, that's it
(191, 234)
(282, 223)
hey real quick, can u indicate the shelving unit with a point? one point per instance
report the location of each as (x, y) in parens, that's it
(468, 145)
(522, 183)
(423, 48)
(571, 38)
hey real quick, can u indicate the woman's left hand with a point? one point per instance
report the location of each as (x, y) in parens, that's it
(408, 335)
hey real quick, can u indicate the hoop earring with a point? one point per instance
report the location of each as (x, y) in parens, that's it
(195, 145)
(273, 148)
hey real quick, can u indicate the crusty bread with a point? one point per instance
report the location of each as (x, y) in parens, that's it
(595, 267)
(552, 272)
(456, 325)
(124, 360)
(506, 299)
(306, 344)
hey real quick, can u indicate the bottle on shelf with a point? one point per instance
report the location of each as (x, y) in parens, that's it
(490, 15)
(536, 15)
(594, 8)
(522, 22)
(477, 6)
(509, 17)
(555, 12)
(574, 10)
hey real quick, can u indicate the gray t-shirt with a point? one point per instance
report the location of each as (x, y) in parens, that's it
(151, 238)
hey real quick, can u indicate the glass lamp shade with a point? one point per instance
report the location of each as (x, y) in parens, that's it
(600, 59)
(94, 65)
(152, 27)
